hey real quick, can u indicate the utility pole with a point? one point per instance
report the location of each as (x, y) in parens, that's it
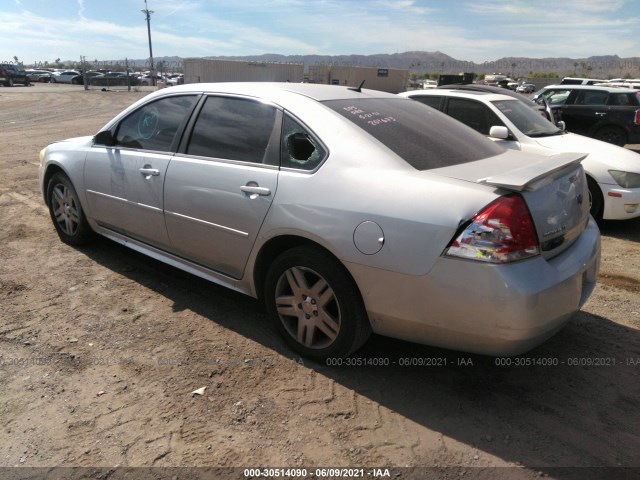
(148, 13)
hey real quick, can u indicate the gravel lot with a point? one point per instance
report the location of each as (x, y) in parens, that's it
(100, 349)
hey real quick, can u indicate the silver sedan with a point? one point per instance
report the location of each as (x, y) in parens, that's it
(347, 211)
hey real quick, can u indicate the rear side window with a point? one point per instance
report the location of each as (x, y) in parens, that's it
(236, 129)
(299, 148)
(591, 97)
(474, 114)
(431, 100)
(619, 99)
(154, 125)
(423, 137)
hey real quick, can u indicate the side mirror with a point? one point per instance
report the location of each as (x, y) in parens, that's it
(104, 138)
(499, 132)
(561, 125)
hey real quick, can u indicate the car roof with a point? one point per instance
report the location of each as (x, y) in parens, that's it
(318, 92)
(491, 88)
(589, 87)
(488, 96)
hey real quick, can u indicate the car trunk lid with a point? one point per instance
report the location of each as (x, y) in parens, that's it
(554, 188)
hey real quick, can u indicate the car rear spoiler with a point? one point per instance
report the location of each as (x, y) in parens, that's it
(534, 174)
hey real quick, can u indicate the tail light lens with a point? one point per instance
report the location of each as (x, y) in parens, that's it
(636, 117)
(502, 232)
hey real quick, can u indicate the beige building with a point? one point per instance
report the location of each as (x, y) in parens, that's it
(199, 70)
(393, 80)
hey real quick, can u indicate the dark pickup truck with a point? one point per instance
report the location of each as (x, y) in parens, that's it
(11, 74)
(610, 114)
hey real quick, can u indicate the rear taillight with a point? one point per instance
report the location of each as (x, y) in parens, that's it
(502, 232)
(636, 117)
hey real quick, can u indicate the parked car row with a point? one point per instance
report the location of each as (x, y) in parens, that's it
(75, 77)
(345, 210)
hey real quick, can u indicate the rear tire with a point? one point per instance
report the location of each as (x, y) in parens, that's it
(315, 304)
(66, 212)
(613, 135)
(597, 200)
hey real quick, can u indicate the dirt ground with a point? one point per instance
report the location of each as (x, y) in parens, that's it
(101, 349)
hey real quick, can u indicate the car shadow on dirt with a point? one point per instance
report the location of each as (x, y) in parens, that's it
(622, 229)
(572, 402)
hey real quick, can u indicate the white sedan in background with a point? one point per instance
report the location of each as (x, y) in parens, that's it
(67, 76)
(613, 173)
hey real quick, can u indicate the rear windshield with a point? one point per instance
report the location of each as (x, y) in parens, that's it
(422, 136)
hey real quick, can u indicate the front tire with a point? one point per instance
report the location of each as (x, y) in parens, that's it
(315, 304)
(597, 201)
(66, 212)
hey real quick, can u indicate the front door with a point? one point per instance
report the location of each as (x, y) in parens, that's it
(125, 182)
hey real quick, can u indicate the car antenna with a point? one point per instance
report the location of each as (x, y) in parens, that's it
(358, 88)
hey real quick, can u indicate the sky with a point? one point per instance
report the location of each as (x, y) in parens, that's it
(467, 30)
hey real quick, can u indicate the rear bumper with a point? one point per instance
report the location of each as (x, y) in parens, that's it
(481, 308)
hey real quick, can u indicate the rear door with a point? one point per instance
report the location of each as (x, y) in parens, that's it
(585, 111)
(219, 189)
(622, 112)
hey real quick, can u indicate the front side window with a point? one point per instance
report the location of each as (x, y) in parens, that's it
(473, 114)
(154, 125)
(236, 129)
(526, 119)
(556, 97)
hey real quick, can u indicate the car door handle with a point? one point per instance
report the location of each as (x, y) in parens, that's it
(148, 172)
(256, 190)
(601, 114)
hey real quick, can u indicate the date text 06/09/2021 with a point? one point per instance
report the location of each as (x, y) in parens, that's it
(400, 362)
(346, 473)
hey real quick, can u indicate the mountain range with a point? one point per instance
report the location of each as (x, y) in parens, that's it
(420, 62)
